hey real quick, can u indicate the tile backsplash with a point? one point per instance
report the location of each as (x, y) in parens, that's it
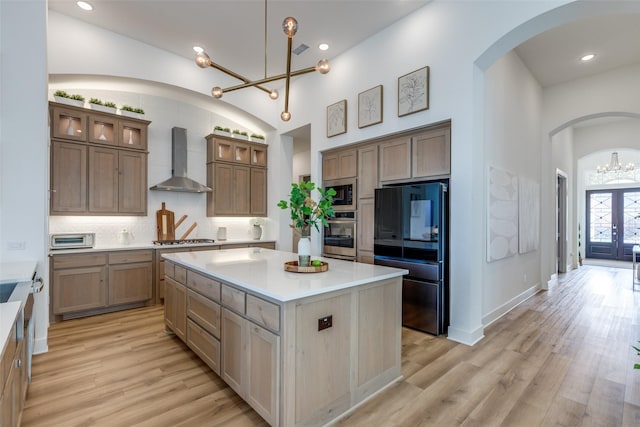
(144, 228)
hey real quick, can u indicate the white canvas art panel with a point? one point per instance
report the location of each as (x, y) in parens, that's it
(528, 215)
(502, 227)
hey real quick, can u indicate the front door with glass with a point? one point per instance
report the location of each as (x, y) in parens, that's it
(613, 223)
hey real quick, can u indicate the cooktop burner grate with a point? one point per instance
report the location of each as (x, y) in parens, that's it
(181, 242)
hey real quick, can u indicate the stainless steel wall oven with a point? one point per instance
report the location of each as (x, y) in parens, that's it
(340, 236)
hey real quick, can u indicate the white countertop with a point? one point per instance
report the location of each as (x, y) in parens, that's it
(262, 272)
(150, 245)
(11, 272)
(8, 315)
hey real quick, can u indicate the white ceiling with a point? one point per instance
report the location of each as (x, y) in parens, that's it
(554, 56)
(233, 32)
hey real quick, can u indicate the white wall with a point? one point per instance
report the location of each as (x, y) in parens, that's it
(512, 102)
(23, 143)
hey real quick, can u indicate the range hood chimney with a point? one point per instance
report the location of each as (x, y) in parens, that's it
(179, 180)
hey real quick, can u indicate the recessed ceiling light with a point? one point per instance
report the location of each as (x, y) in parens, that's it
(84, 5)
(323, 46)
(588, 57)
(198, 49)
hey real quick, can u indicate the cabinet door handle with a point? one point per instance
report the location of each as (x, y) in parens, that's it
(18, 363)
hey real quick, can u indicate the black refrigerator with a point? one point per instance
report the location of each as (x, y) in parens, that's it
(411, 232)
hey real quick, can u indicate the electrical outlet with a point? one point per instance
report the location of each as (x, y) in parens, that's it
(17, 246)
(325, 322)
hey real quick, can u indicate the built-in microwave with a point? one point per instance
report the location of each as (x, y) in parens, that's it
(345, 198)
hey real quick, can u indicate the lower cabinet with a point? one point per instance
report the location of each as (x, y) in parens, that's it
(244, 354)
(13, 382)
(90, 283)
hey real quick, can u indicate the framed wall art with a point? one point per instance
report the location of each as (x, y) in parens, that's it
(370, 107)
(413, 92)
(337, 118)
(502, 215)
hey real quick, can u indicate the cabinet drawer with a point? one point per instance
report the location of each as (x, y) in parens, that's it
(180, 274)
(233, 298)
(79, 260)
(263, 312)
(204, 345)
(204, 285)
(204, 312)
(168, 268)
(126, 257)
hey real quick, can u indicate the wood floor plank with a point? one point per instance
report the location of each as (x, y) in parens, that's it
(562, 357)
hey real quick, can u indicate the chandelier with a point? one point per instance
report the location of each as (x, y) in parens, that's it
(615, 166)
(290, 27)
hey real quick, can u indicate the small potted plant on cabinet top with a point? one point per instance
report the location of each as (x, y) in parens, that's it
(257, 138)
(219, 130)
(64, 98)
(240, 135)
(105, 107)
(129, 111)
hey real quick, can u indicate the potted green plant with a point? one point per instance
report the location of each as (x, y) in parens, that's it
(98, 105)
(64, 98)
(256, 137)
(219, 130)
(240, 135)
(306, 213)
(129, 111)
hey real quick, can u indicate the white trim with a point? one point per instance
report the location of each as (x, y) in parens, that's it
(510, 305)
(465, 337)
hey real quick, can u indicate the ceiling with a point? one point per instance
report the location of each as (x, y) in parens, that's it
(233, 32)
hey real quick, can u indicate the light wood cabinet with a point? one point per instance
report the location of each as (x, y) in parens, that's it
(367, 171)
(234, 356)
(395, 159)
(175, 308)
(130, 277)
(92, 283)
(431, 155)
(205, 345)
(263, 371)
(337, 165)
(236, 170)
(105, 173)
(366, 224)
(13, 380)
(68, 178)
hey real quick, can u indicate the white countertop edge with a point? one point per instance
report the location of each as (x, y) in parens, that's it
(142, 246)
(19, 271)
(299, 295)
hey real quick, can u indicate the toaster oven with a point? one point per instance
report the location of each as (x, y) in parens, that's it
(72, 240)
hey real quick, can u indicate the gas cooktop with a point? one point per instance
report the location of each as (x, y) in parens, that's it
(181, 242)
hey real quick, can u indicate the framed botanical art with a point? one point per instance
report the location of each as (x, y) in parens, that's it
(370, 107)
(337, 118)
(413, 92)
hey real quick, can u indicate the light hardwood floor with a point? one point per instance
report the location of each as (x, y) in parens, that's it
(563, 357)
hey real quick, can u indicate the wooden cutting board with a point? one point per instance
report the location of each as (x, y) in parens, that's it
(165, 224)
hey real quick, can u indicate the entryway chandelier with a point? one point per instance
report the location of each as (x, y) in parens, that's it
(290, 27)
(615, 166)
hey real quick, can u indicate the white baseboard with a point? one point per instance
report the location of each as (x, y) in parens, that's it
(40, 346)
(465, 337)
(509, 305)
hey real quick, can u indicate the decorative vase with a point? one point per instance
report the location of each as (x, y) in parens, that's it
(256, 232)
(70, 130)
(304, 250)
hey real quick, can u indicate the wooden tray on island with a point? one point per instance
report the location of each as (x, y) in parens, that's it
(293, 267)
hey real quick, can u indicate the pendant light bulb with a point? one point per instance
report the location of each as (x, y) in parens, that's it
(323, 66)
(202, 59)
(274, 94)
(285, 116)
(216, 92)
(290, 26)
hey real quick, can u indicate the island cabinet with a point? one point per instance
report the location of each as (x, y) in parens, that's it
(13, 380)
(237, 173)
(299, 350)
(98, 163)
(97, 282)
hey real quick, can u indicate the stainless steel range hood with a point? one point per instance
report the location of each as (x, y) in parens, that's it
(179, 180)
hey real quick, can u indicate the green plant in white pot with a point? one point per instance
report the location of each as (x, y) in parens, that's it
(306, 213)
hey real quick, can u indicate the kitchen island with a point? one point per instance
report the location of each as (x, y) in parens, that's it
(300, 348)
